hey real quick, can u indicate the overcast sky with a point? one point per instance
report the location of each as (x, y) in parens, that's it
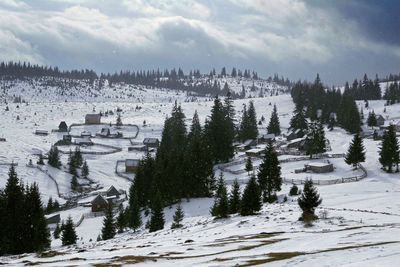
(296, 38)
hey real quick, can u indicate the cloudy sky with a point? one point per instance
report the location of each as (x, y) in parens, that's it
(296, 38)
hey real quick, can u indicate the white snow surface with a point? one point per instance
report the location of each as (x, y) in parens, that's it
(359, 222)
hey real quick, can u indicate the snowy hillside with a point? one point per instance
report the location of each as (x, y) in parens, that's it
(359, 225)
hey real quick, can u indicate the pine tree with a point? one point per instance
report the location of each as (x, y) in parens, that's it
(298, 121)
(178, 217)
(54, 157)
(249, 165)
(157, 214)
(119, 120)
(252, 131)
(108, 231)
(315, 141)
(218, 133)
(221, 205)
(78, 157)
(389, 153)
(49, 207)
(356, 153)
(309, 200)
(294, 190)
(85, 170)
(234, 198)
(269, 175)
(13, 228)
(134, 220)
(72, 164)
(251, 199)
(74, 183)
(371, 121)
(38, 236)
(274, 126)
(121, 220)
(57, 231)
(68, 235)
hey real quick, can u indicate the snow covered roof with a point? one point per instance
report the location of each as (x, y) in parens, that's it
(92, 116)
(318, 164)
(267, 136)
(255, 150)
(112, 191)
(150, 140)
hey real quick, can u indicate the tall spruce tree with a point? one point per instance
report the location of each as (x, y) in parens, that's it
(389, 153)
(274, 126)
(198, 166)
(371, 120)
(218, 133)
(54, 157)
(121, 219)
(108, 231)
(269, 175)
(348, 115)
(220, 208)
(252, 131)
(298, 121)
(309, 200)
(12, 239)
(85, 170)
(134, 220)
(234, 198)
(356, 154)
(68, 234)
(315, 141)
(157, 214)
(251, 199)
(249, 165)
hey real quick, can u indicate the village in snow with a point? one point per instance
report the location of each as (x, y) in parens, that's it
(114, 128)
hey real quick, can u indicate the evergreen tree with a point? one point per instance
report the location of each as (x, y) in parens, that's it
(371, 121)
(251, 199)
(309, 200)
(218, 133)
(57, 232)
(119, 120)
(157, 214)
(249, 165)
(72, 164)
(221, 205)
(85, 170)
(274, 126)
(244, 125)
(269, 175)
(68, 235)
(178, 217)
(315, 142)
(234, 198)
(294, 190)
(37, 235)
(298, 121)
(108, 231)
(49, 207)
(74, 183)
(12, 231)
(252, 131)
(121, 220)
(134, 220)
(78, 157)
(198, 165)
(54, 157)
(389, 153)
(348, 115)
(356, 153)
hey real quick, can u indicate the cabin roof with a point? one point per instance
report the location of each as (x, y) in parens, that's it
(131, 162)
(99, 200)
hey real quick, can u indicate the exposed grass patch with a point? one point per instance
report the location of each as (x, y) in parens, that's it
(50, 254)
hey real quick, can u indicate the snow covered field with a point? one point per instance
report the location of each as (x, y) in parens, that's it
(359, 225)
